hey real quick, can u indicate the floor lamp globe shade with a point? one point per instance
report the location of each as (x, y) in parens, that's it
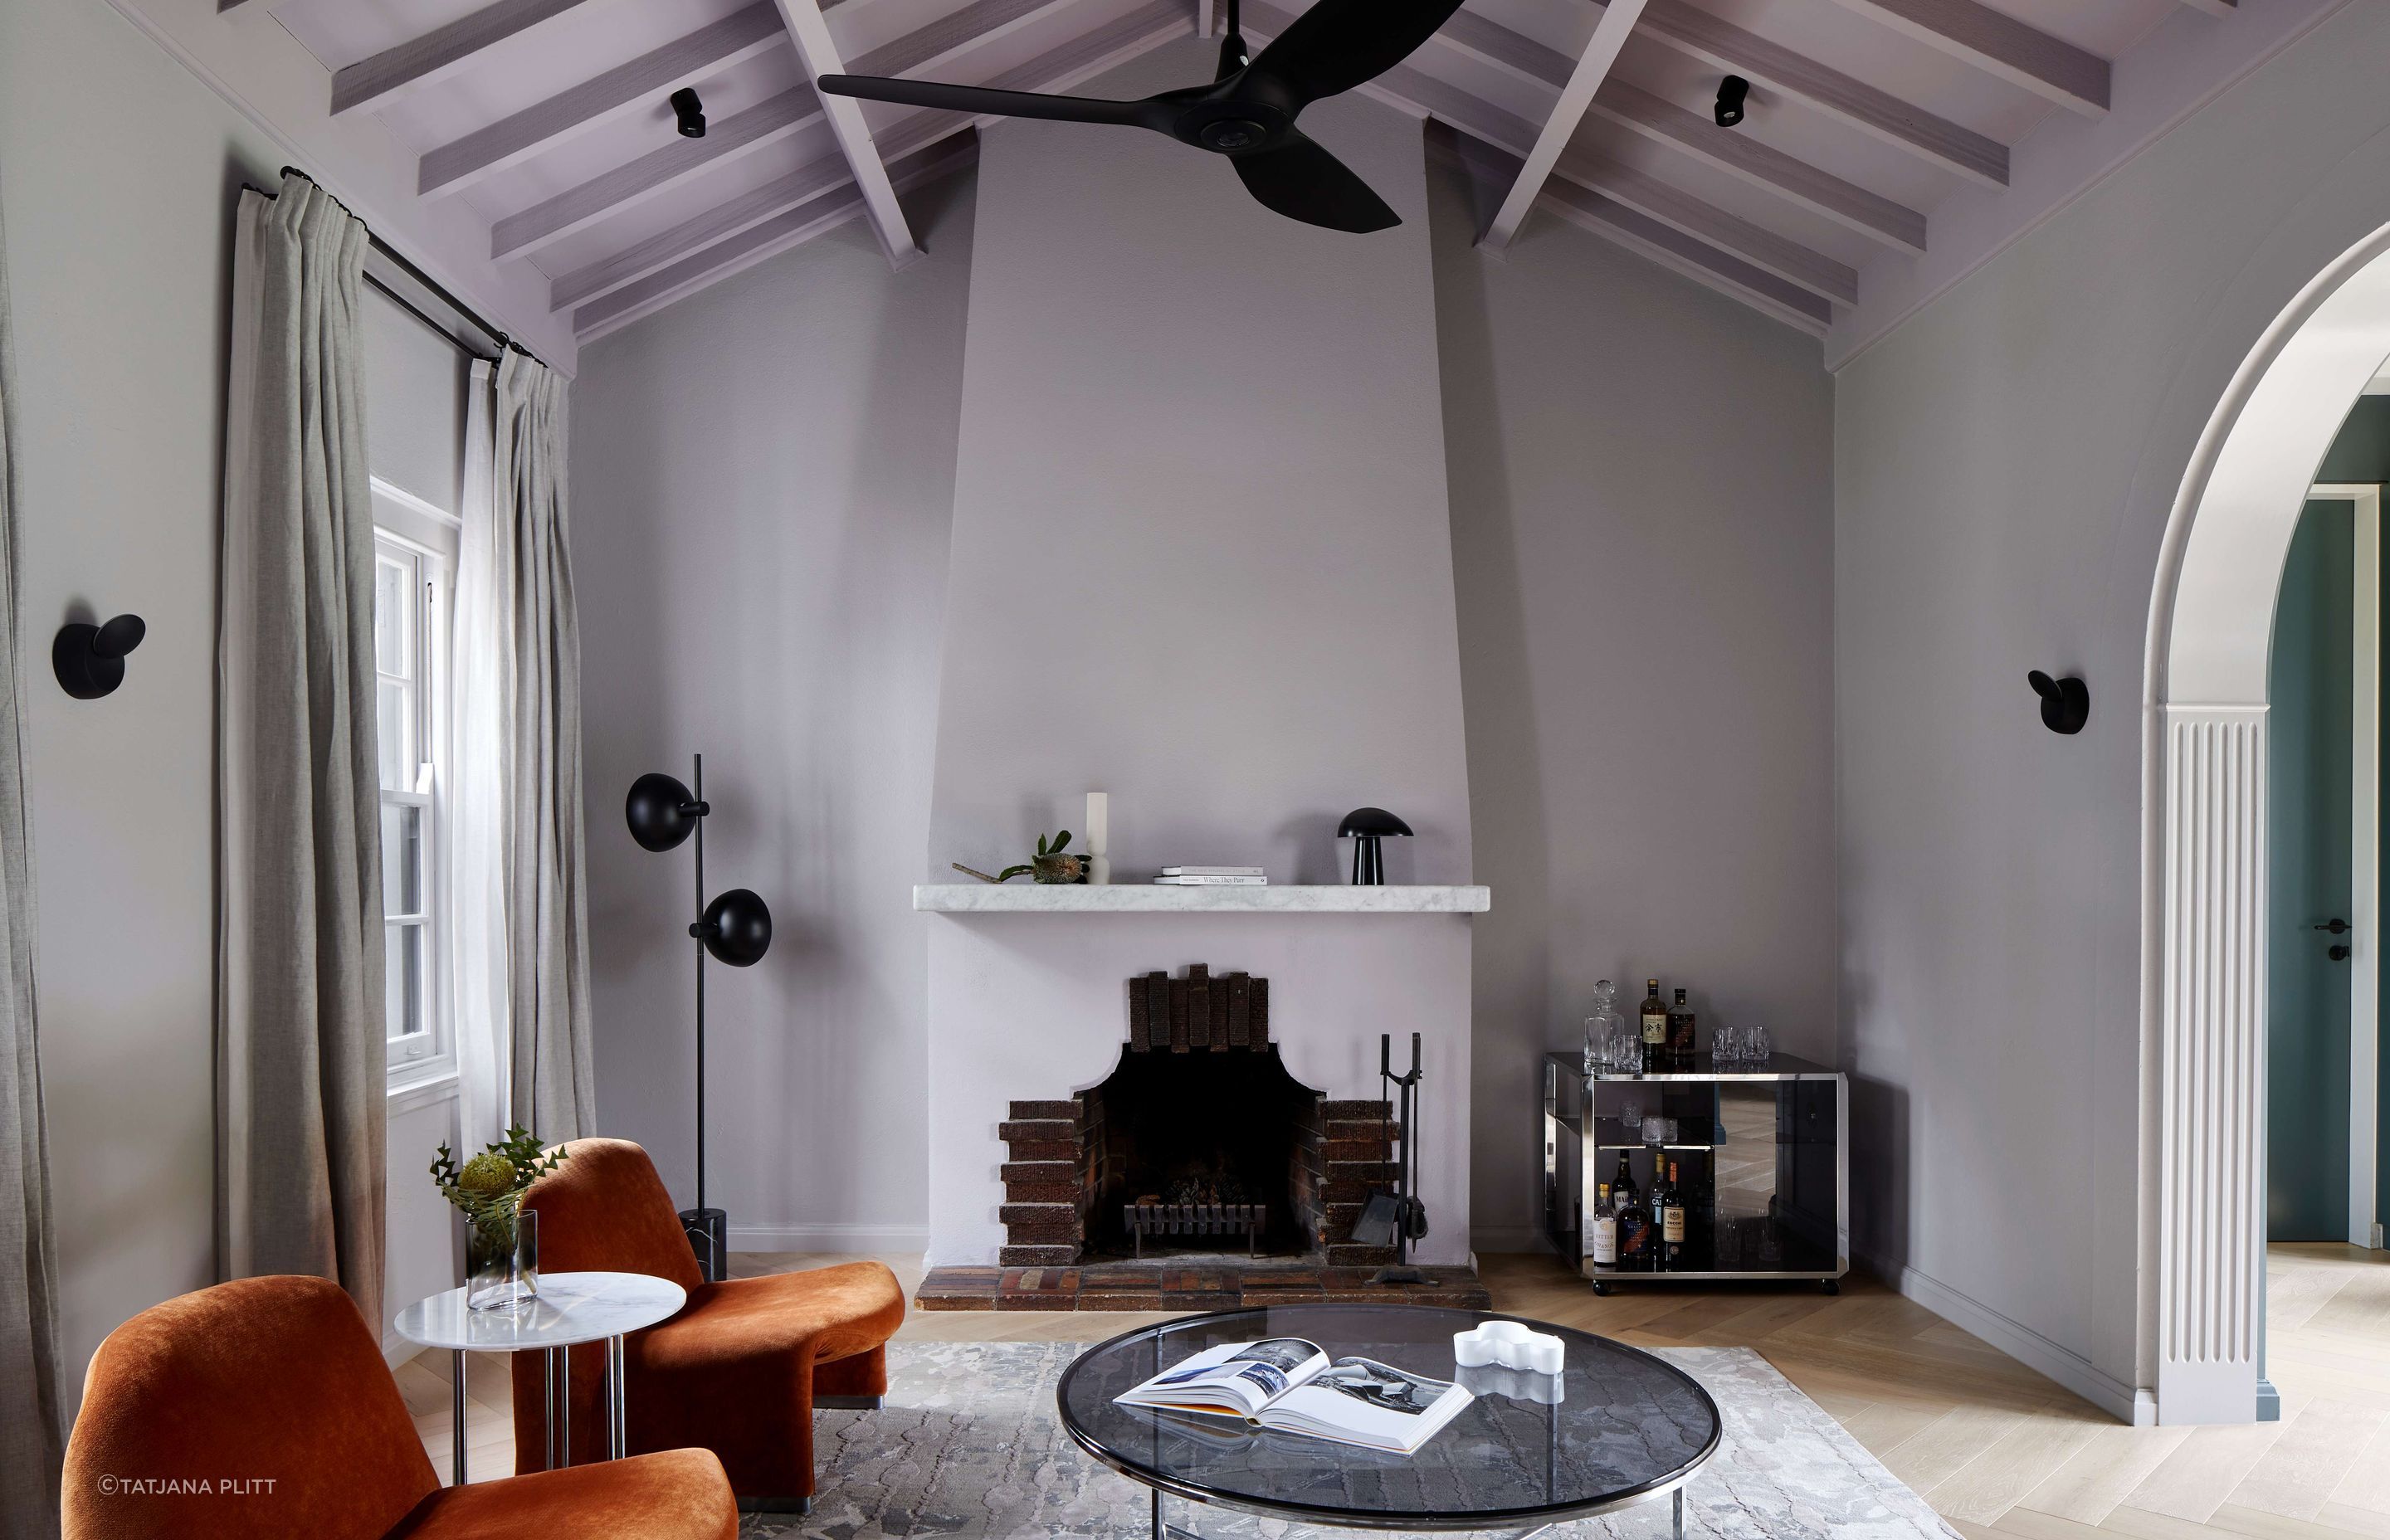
(739, 927)
(657, 811)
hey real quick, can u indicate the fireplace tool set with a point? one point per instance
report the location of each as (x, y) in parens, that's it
(1396, 1217)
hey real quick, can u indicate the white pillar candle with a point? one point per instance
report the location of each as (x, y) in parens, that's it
(1099, 837)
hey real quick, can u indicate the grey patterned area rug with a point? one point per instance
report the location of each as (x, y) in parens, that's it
(967, 1444)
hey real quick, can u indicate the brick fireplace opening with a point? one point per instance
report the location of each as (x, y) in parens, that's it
(1199, 1174)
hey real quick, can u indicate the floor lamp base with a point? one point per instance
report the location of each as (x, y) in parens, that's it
(709, 1237)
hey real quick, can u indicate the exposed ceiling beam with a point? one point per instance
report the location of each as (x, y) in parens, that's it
(1151, 24)
(1750, 244)
(1762, 164)
(2000, 44)
(1576, 94)
(819, 51)
(1714, 41)
(1844, 202)
(576, 207)
(832, 208)
(1627, 227)
(438, 53)
(648, 79)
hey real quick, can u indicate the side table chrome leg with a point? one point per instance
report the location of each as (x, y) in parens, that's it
(618, 1431)
(1678, 1502)
(457, 1415)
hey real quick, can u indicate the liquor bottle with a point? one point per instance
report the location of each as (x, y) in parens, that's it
(1655, 1028)
(1672, 1222)
(1637, 1240)
(1680, 1032)
(1605, 1230)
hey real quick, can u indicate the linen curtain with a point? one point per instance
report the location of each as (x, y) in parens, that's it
(30, 1405)
(300, 1014)
(537, 649)
(477, 799)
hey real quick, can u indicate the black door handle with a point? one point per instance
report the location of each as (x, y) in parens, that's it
(2338, 953)
(2337, 926)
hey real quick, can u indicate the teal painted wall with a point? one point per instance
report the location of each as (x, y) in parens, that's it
(2361, 453)
(2308, 854)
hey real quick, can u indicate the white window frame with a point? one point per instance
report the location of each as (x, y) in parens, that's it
(431, 1055)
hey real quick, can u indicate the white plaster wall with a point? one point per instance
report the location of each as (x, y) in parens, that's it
(2003, 469)
(117, 171)
(1642, 525)
(761, 485)
(1202, 553)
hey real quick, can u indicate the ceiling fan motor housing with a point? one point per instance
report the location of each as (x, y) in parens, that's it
(1233, 123)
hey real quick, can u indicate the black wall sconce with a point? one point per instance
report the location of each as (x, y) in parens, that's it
(689, 112)
(1733, 92)
(2066, 703)
(735, 927)
(89, 659)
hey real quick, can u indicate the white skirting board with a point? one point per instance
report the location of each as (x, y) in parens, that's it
(2021, 1342)
(911, 1240)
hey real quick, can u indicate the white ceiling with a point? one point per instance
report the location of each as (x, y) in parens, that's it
(526, 146)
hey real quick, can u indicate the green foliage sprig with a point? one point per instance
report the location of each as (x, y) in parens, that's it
(1043, 849)
(489, 1188)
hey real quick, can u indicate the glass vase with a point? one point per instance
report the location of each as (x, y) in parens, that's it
(503, 1261)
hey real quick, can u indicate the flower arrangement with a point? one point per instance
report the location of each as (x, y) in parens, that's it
(489, 1188)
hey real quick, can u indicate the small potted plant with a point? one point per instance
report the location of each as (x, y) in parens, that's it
(502, 1248)
(1049, 864)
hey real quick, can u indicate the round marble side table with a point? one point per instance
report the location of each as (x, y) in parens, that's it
(572, 1308)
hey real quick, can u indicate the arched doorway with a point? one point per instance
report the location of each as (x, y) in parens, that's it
(2204, 915)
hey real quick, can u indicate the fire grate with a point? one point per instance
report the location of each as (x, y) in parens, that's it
(1185, 1219)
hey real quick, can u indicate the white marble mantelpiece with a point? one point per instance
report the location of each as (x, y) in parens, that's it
(1030, 898)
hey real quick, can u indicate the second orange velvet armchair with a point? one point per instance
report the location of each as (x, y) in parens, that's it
(740, 1370)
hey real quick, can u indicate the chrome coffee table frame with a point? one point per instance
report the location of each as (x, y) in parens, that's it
(1513, 1523)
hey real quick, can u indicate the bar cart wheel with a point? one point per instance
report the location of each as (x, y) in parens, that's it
(1828, 1286)
(1600, 1288)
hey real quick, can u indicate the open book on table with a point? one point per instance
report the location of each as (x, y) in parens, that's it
(1289, 1385)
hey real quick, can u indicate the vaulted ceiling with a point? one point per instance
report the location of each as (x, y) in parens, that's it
(529, 146)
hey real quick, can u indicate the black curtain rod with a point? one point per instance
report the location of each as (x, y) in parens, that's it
(401, 260)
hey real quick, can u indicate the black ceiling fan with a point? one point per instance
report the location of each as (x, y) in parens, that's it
(1247, 113)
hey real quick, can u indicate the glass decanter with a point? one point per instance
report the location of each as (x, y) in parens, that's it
(1601, 1028)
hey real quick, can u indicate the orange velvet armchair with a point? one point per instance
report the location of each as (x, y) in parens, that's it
(740, 1370)
(262, 1409)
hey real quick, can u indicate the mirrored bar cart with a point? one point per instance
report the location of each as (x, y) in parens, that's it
(1761, 1156)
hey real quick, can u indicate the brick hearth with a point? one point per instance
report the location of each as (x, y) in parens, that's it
(1187, 1286)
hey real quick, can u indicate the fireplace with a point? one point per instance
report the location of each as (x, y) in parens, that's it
(1199, 1143)
(1199, 1172)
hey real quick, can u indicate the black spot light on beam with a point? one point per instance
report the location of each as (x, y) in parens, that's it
(689, 111)
(1733, 92)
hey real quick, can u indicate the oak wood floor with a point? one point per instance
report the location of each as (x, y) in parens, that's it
(1999, 1451)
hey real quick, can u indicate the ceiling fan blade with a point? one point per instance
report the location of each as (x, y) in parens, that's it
(978, 99)
(1299, 179)
(1338, 45)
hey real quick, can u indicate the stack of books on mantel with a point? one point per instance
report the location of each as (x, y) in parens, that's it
(1212, 877)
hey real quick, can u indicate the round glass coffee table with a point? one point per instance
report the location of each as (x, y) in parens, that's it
(1617, 1426)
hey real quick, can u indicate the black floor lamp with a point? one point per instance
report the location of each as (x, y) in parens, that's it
(736, 927)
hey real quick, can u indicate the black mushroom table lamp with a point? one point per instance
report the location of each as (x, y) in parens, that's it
(1365, 826)
(736, 927)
